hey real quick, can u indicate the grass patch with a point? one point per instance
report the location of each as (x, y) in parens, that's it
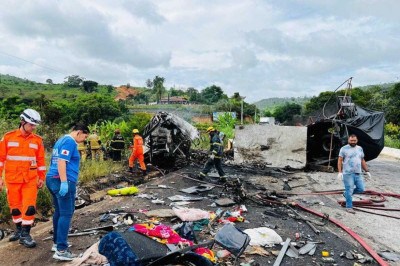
(392, 142)
(91, 170)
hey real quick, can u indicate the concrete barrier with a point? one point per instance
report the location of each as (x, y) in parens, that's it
(391, 152)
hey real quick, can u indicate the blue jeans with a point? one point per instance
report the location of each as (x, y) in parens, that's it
(64, 208)
(351, 180)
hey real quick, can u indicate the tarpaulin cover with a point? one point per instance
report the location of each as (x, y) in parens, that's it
(367, 125)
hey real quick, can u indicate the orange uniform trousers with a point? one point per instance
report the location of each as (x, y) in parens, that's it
(22, 201)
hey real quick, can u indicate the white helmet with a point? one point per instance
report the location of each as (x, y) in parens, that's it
(31, 116)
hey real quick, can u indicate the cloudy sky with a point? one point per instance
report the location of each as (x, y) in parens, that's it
(260, 48)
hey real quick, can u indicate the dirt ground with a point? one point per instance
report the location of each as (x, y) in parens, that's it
(379, 232)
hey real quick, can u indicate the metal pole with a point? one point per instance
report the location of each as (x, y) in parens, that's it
(241, 114)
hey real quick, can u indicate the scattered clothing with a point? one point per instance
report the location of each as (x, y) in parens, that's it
(90, 257)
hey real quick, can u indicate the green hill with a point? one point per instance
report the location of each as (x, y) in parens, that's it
(272, 103)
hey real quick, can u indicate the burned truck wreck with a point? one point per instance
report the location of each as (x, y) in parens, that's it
(168, 138)
(335, 123)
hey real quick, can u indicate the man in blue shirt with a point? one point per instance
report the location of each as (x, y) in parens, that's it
(61, 181)
(350, 162)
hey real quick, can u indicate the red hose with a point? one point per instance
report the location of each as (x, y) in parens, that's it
(351, 233)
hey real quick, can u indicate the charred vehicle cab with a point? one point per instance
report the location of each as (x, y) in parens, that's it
(168, 138)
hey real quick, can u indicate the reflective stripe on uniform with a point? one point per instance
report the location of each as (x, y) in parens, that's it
(33, 146)
(18, 220)
(27, 222)
(20, 158)
(1, 164)
(42, 168)
(13, 144)
(216, 143)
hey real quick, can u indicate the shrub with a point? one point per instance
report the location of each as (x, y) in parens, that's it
(392, 130)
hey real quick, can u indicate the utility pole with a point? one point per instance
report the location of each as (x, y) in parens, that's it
(241, 113)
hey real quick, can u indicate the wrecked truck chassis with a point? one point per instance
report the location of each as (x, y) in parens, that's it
(167, 138)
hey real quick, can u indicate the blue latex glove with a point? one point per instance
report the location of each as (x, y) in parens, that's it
(63, 188)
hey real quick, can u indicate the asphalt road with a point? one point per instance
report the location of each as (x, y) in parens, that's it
(379, 232)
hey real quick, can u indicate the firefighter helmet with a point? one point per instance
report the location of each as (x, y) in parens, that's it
(210, 129)
(135, 131)
(31, 116)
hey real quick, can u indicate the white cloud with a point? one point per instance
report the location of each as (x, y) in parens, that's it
(257, 48)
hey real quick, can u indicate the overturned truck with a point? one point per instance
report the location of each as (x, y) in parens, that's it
(168, 138)
(315, 146)
(327, 135)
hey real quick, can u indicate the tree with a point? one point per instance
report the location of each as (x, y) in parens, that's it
(175, 92)
(317, 103)
(158, 87)
(193, 94)
(90, 86)
(149, 83)
(393, 111)
(212, 94)
(110, 88)
(49, 81)
(12, 107)
(285, 113)
(267, 113)
(73, 81)
(94, 108)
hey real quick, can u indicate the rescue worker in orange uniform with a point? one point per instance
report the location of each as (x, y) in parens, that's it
(23, 159)
(137, 152)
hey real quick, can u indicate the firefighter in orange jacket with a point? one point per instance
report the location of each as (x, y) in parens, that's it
(137, 152)
(22, 158)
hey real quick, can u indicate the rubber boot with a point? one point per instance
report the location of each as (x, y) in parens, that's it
(26, 238)
(130, 170)
(17, 233)
(144, 172)
(222, 179)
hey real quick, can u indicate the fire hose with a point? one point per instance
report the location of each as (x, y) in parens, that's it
(350, 232)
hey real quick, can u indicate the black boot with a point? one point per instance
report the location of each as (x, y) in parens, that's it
(130, 170)
(144, 172)
(17, 233)
(26, 238)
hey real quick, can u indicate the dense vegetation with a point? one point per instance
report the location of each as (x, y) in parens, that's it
(80, 100)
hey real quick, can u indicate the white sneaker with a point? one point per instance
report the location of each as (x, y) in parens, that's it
(66, 255)
(54, 247)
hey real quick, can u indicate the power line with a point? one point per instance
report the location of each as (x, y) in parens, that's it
(22, 59)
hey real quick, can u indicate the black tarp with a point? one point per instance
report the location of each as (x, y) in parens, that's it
(367, 125)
